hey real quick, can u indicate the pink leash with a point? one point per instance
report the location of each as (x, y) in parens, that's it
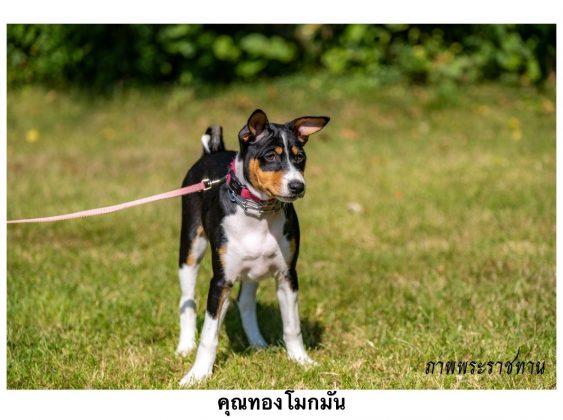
(200, 186)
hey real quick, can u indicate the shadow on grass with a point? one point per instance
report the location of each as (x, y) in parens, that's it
(270, 323)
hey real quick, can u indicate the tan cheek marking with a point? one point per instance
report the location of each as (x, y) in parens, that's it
(294, 150)
(268, 181)
(279, 150)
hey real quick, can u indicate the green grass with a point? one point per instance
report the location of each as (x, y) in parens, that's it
(452, 257)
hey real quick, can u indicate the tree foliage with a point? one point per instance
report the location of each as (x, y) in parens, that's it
(102, 55)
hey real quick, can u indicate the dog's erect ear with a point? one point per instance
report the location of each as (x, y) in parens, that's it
(255, 126)
(305, 126)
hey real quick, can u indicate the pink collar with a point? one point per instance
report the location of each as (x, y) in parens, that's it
(238, 187)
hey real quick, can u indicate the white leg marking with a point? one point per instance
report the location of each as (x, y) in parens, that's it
(247, 309)
(291, 324)
(207, 350)
(188, 314)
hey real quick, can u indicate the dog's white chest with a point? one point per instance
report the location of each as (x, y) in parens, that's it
(256, 247)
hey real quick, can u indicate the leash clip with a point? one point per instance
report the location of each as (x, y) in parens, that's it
(208, 184)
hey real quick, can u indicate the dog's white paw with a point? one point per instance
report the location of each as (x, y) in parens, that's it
(185, 349)
(258, 343)
(194, 377)
(303, 360)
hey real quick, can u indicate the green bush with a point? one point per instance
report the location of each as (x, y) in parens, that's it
(102, 55)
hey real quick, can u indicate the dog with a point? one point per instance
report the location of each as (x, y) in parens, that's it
(252, 226)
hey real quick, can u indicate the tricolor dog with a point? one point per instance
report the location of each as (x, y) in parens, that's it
(252, 227)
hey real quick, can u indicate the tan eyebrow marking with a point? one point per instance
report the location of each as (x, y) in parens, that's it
(279, 150)
(294, 150)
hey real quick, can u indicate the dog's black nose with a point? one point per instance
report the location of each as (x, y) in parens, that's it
(296, 187)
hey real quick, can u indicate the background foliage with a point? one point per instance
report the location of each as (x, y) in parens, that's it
(101, 55)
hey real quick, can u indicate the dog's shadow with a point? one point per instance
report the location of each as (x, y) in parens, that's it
(270, 324)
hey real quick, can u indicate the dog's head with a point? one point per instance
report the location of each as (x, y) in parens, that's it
(273, 157)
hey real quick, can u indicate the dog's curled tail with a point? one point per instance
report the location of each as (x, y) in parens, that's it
(212, 140)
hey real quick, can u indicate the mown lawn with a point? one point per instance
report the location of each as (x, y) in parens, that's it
(428, 233)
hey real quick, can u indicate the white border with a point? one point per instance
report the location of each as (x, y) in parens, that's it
(203, 404)
(470, 405)
(286, 11)
(3, 205)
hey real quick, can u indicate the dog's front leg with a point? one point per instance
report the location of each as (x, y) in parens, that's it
(287, 297)
(217, 304)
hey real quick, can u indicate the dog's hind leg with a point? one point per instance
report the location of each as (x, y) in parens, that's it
(247, 307)
(193, 244)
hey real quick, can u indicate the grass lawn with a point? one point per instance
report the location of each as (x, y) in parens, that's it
(449, 253)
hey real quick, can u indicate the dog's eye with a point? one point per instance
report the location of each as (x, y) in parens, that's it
(270, 157)
(299, 158)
